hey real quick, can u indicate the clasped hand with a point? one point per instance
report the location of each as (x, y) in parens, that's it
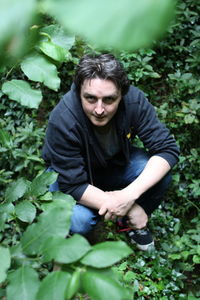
(116, 205)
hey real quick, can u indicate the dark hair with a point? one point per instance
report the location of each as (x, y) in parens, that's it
(103, 66)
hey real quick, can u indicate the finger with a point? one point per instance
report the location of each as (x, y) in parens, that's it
(108, 216)
(102, 210)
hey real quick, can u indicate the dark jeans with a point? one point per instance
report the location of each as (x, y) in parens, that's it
(114, 178)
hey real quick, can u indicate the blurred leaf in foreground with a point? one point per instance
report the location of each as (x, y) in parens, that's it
(122, 24)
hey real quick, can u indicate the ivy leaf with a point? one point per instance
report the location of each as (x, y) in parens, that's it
(39, 68)
(53, 286)
(65, 250)
(22, 92)
(25, 211)
(4, 263)
(106, 254)
(40, 184)
(24, 284)
(99, 286)
(51, 223)
(120, 25)
(16, 190)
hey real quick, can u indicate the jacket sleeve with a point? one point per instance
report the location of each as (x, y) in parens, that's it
(63, 151)
(154, 135)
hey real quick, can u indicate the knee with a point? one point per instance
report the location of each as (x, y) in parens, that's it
(139, 159)
(83, 219)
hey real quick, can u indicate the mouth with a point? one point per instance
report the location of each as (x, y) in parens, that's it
(99, 117)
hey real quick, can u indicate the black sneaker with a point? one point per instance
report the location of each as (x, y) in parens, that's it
(141, 237)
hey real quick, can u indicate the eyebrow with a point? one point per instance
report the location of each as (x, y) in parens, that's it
(114, 96)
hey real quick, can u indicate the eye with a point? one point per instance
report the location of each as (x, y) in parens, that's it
(90, 98)
(108, 100)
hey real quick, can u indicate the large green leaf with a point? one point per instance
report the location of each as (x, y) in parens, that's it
(54, 51)
(39, 68)
(23, 284)
(58, 36)
(53, 286)
(4, 263)
(25, 211)
(99, 286)
(16, 190)
(22, 92)
(40, 183)
(51, 223)
(61, 197)
(106, 254)
(56, 43)
(124, 24)
(65, 250)
(16, 16)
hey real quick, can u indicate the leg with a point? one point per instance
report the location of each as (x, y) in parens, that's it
(83, 218)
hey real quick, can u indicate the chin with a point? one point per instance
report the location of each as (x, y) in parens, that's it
(99, 123)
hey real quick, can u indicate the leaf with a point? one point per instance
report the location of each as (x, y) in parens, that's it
(5, 139)
(22, 92)
(54, 51)
(46, 197)
(4, 263)
(7, 211)
(101, 287)
(196, 259)
(24, 284)
(120, 24)
(189, 118)
(58, 36)
(106, 254)
(16, 17)
(65, 251)
(61, 196)
(25, 211)
(53, 286)
(39, 68)
(16, 190)
(40, 183)
(51, 223)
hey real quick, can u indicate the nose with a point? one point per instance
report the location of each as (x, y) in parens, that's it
(99, 109)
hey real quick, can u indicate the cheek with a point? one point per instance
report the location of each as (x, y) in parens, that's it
(112, 110)
(88, 108)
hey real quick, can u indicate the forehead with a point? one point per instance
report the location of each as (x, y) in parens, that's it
(100, 87)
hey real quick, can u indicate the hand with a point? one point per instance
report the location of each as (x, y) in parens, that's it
(116, 205)
(137, 218)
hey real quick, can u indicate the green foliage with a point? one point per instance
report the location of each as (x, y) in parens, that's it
(35, 222)
(44, 241)
(19, 32)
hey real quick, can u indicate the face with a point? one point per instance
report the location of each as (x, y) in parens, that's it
(100, 100)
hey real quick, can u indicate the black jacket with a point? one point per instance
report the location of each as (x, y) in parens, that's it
(71, 147)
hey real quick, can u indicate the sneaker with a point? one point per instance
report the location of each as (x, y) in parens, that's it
(141, 237)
